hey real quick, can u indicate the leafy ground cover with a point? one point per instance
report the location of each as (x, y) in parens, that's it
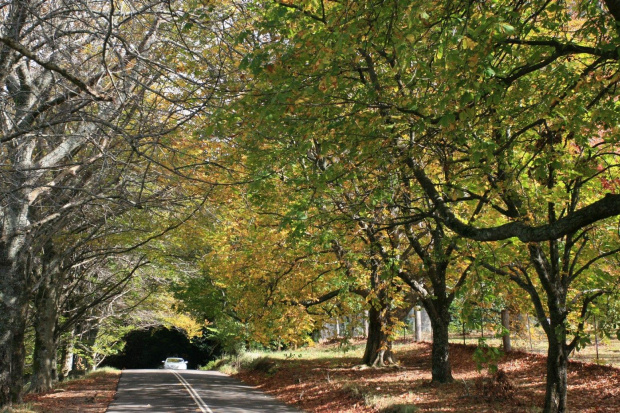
(90, 394)
(328, 381)
(329, 378)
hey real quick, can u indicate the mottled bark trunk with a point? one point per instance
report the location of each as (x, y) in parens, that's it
(44, 366)
(14, 280)
(19, 355)
(556, 289)
(13, 311)
(441, 368)
(557, 371)
(88, 342)
(66, 356)
(44, 358)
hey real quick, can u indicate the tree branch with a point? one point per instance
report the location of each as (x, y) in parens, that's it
(83, 86)
(606, 207)
(302, 10)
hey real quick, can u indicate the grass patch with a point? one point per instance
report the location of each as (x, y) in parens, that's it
(103, 371)
(354, 349)
(213, 365)
(267, 361)
(233, 364)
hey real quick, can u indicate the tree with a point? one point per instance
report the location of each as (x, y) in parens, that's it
(543, 158)
(87, 293)
(431, 279)
(568, 282)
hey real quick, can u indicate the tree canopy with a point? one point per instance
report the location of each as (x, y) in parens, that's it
(276, 165)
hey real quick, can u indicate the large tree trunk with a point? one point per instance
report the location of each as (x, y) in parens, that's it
(555, 328)
(378, 350)
(18, 357)
(15, 244)
(44, 358)
(557, 370)
(438, 309)
(13, 314)
(441, 368)
(66, 355)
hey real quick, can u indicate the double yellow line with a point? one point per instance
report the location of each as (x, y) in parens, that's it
(201, 403)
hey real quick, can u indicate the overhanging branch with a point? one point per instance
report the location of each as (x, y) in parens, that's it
(606, 207)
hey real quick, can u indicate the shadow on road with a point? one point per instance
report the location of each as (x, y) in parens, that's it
(162, 391)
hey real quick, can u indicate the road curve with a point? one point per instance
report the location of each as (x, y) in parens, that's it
(190, 391)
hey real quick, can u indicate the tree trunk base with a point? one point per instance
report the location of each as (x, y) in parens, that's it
(384, 358)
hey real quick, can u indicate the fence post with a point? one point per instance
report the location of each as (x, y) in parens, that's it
(463, 324)
(596, 337)
(529, 330)
(418, 325)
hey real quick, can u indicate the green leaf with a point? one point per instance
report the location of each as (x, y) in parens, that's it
(507, 28)
(447, 119)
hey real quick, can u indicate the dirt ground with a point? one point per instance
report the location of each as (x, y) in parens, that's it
(340, 385)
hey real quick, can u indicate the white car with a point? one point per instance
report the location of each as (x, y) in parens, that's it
(175, 363)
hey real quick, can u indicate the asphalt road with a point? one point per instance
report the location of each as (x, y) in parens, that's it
(190, 391)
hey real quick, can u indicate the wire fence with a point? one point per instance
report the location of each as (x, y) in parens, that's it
(599, 351)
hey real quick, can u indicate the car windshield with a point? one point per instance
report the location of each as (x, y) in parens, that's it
(174, 360)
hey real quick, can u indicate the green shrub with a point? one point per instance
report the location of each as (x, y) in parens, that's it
(487, 357)
(245, 361)
(213, 364)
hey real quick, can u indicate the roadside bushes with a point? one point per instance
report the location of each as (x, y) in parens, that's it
(246, 362)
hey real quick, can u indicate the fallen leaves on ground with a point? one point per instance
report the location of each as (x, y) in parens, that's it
(341, 385)
(90, 394)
